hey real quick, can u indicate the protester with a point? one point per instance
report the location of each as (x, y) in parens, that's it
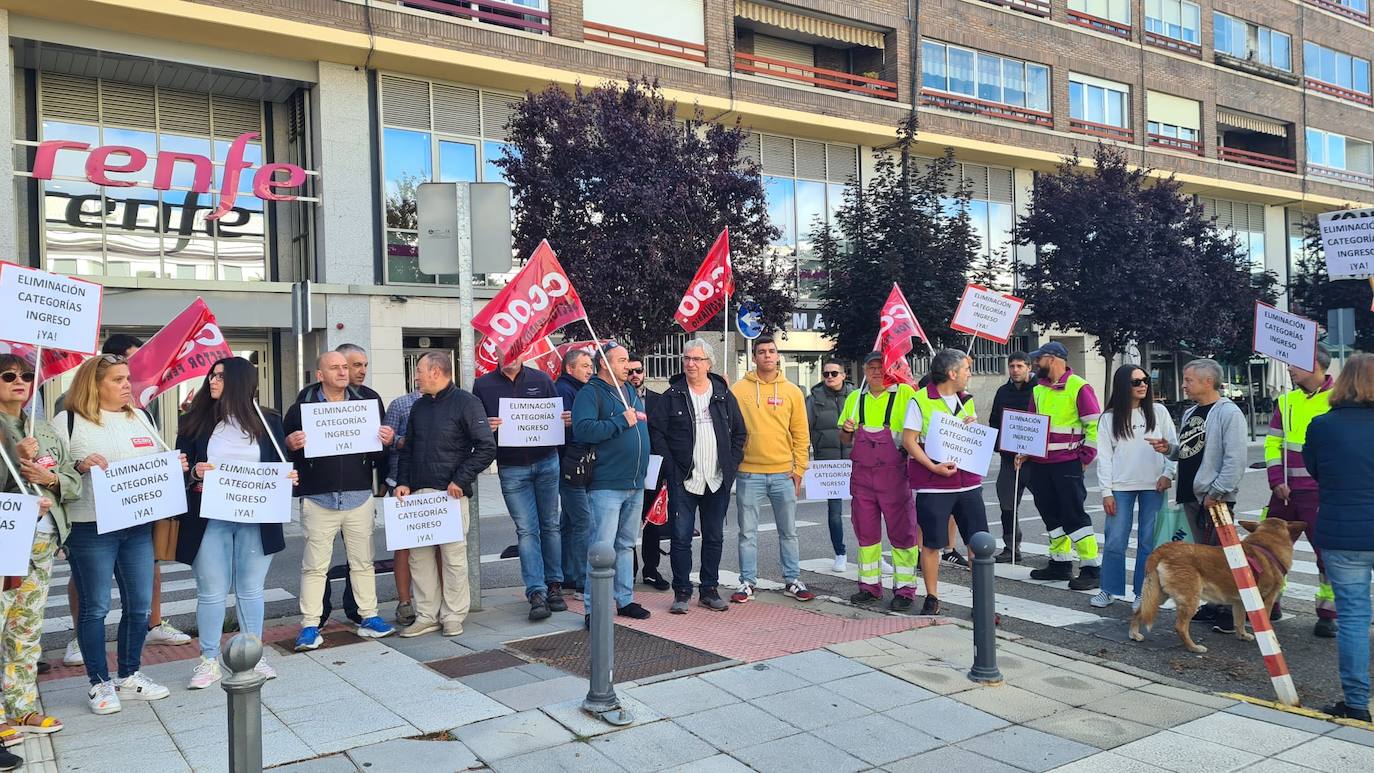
(576, 511)
(398, 417)
(653, 535)
(1210, 452)
(613, 420)
(775, 458)
(697, 427)
(943, 491)
(824, 405)
(49, 473)
(355, 357)
(1014, 395)
(448, 444)
(1130, 474)
(529, 485)
(1294, 496)
(336, 497)
(223, 425)
(101, 426)
(1339, 457)
(1056, 480)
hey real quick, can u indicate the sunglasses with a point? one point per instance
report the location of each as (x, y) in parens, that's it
(830, 373)
(9, 377)
(1135, 382)
(636, 370)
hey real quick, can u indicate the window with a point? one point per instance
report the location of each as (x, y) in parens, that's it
(1098, 101)
(1336, 152)
(1350, 74)
(1243, 220)
(1172, 131)
(988, 77)
(1177, 19)
(1252, 42)
(1118, 11)
(1172, 122)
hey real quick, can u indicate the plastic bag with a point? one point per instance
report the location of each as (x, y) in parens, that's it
(1171, 525)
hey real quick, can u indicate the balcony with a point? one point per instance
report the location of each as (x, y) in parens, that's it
(1101, 130)
(1343, 10)
(967, 104)
(1192, 147)
(1253, 66)
(1337, 91)
(816, 76)
(1261, 160)
(1032, 7)
(1098, 23)
(531, 17)
(643, 41)
(1173, 44)
(1341, 175)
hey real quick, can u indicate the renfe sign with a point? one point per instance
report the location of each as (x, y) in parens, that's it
(99, 165)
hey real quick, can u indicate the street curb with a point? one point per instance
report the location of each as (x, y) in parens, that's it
(1299, 711)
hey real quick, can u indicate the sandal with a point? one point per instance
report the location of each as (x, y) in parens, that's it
(9, 736)
(34, 722)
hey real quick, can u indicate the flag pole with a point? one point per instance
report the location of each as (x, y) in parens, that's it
(14, 471)
(280, 454)
(587, 321)
(725, 333)
(37, 380)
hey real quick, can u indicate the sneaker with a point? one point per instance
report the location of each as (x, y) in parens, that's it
(405, 612)
(419, 628)
(797, 590)
(655, 580)
(103, 699)
(136, 685)
(265, 670)
(204, 674)
(680, 603)
(954, 557)
(1342, 710)
(72, 657)
(1325, 628)
(885, 567)
(309, 639)
(863, 599)
(1225, 622)
(1089, 577)
(555, 598)
(1102, 599)
(1207, 613)
(743, 594)
(713, 602)
(1055, 570)
(10, 761)
(375, 628)
(1007, 556)
(931, 606)
(539, 606)
(166, 634)
(900, 604)
(841, 563)
(633, 611)
(1276, 612)
(452, 629)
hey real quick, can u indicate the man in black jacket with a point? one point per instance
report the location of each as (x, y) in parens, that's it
(697, 427)
(336, 494)
(1014, 395)
(448, 444)
(651, 535)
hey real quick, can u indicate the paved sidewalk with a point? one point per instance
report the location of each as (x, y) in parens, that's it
(845, 700)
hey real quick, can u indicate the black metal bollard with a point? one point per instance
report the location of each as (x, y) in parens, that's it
(244, 686)
(601, 699)
(984, 610)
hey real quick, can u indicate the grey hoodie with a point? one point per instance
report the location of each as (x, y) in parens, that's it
(1223, 456)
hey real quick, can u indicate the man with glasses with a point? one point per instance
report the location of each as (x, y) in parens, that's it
(823, 409)
(1014, 395)
(650, 549)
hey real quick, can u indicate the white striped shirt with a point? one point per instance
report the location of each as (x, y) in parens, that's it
(706, 472)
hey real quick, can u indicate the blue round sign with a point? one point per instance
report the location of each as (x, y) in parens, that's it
(749, 320)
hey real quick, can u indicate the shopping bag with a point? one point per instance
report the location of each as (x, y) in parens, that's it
(1171, 525)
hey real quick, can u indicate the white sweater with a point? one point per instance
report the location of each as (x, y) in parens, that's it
(1131, 464)
(117, 437)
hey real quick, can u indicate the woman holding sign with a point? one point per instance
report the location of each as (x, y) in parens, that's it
(46, 467)
(101, 427)
(225, 424)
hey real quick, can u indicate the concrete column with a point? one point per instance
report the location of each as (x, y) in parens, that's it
(1023, 191)
(11, 189)
(1276, 248)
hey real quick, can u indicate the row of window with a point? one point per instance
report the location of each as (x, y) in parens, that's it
(1161, 15)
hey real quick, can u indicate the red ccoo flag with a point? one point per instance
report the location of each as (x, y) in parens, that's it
(658, 512)
(537, 302)
(896, 325)
(55, 361)
(713, 284)
(186, 348)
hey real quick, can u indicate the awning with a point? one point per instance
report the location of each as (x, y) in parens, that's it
(811, 25)
(1251, 123)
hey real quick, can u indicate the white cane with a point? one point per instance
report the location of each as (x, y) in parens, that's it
(1015, 510)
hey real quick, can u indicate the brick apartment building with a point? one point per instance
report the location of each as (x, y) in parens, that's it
(1262, 108)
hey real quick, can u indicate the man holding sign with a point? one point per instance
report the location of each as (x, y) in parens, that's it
(942, 489)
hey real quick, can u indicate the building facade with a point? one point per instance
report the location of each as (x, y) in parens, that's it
(1261, 108)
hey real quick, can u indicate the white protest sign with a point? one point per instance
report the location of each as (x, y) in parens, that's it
(968, 446)
(987, 314)
(651, 477)
(344, 427)
(137, 491)
(530, 422)
(827, 479)
(45, 309)
(248, 492)
(1348, 243)
(422, 520)
(1285, 337)
(1024, 433)
(18, 520)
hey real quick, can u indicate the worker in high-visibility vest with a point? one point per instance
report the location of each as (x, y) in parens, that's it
(1056, 479)
(1294, 495)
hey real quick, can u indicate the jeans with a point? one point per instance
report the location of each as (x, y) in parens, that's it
(1349, 572)
(778, 488)
(834, 510)
(573, 531)
(711, 506)
(615, 519)
(229, 554)
(531, 494)
(1118, 535)
(127, 556)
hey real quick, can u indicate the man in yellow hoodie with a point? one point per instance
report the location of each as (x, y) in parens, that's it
(774, 460)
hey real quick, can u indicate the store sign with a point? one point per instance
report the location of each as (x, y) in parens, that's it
(105, 160)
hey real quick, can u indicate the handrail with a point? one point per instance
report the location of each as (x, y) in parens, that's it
(482, 10)
(1262, 160)
(1099, 23)
(967, 104)
(1344, 175)
(1340, 92)
(1161, 40)
(1033, 7)
(1175, 143)
(817, 76)
(643, 41)
(1343, 10)
(1104, 130)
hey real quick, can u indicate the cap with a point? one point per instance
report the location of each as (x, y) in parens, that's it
(873, 357)
(1053, 348)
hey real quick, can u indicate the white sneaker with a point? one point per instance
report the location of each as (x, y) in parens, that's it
(265, 670)
(205, 674)
(1102, 599)
(166, 634)
(136, 685)
(886, 567)
(103, 699)
(840, 563)
(72, 657)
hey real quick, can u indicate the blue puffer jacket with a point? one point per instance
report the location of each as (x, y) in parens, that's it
(1340, 457)
(622, 451)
